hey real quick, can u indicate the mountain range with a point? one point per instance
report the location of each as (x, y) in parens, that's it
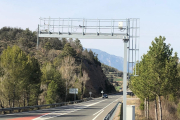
(110, 60)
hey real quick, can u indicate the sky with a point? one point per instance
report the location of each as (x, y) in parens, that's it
(157, 17)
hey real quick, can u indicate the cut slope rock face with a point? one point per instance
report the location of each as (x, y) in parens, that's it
(97, 80)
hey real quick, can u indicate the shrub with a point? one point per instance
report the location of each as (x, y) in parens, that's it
(141, 106)
(178, 110)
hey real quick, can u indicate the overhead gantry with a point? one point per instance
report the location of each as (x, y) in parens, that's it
(126, 29)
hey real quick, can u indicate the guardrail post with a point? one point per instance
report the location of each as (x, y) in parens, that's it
(10, 111)
(28, 108)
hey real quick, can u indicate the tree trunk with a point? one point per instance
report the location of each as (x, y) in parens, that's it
(37, 99)
(27, 99)
(66, 91)
(27, 95)
(160, 108)
(24, 101)
(13, 103)
(156, 114)
(9, 103)
(2, 106)
(145, 108)
(148, 108)
(13, 96)
(18, 105)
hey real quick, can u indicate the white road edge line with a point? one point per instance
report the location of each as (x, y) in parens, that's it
(97, 112)
(105, 107)
(97, 115)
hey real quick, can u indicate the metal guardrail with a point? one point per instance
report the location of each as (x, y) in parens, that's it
(109, 115)
(27, 108)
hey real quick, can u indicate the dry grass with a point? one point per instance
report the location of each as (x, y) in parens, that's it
(136, 102)
(128, 96)
(169, 110)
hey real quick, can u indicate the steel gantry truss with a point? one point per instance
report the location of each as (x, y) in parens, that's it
(126, 29)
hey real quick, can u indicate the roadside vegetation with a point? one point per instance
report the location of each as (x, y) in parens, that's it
(158, 83)
(30, 76)
(114, 76)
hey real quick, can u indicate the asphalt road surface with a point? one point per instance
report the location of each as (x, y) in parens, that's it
(95, 109)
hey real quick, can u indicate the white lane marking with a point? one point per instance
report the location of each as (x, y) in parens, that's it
(97, 115)
(94, 103)
(65, 111)
(105, 106)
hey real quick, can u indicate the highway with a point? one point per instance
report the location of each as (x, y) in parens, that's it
(95, 109)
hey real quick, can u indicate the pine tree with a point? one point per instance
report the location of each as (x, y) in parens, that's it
(51, 93)
(68, 50)
(158, 74)
(21, 74)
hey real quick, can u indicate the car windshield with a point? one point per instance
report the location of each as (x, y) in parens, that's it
(105, 94)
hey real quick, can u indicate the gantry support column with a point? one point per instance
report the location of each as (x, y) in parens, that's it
(37, 38)
(125, 78)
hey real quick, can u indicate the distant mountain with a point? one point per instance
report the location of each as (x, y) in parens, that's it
(110, 60)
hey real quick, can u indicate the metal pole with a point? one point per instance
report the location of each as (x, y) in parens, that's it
(38, 37)
(135, 44)
(129, 49)
(132, 42)
(125, 71)
(82, 27)
(125, 78)
(75, 94)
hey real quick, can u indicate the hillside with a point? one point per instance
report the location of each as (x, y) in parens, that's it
(63, 64)
(114, 76)
(110, 60)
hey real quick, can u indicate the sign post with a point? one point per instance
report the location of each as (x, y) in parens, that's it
(74, 95)
(102, 93)
(73, 91)
(90, 94)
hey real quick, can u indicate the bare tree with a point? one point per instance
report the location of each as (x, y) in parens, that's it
(67, 70)
(83, 81)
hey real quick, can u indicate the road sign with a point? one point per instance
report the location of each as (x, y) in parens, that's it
(102, 92)
(73, 90)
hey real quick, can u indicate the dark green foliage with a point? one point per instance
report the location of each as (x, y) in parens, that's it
(47, 46)
(68, 50)
(20, 78)
(158, 75)
(92, 57)
(141, 106)
(24, 83)
(64, 41)
(78, 44)
(7, 33)
(53, 43)
(51, 93)
(109, 88)
(52, 77)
